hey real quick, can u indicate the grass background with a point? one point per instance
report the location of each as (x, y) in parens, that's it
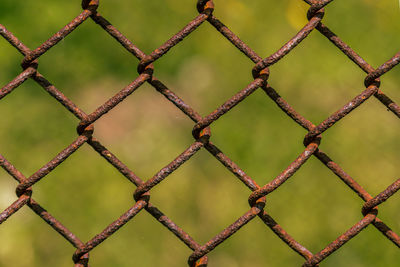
(147, 132)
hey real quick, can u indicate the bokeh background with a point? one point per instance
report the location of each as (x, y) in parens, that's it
(147, 132)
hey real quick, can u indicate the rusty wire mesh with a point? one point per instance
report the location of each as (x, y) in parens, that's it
(201, 133)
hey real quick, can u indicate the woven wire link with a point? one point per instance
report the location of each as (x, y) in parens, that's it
(201, 133)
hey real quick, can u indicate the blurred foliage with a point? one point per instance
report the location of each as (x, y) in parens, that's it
(147, 132)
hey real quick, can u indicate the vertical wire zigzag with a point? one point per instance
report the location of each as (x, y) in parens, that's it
(201, 133)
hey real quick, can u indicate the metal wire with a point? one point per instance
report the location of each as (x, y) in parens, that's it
(201, 133)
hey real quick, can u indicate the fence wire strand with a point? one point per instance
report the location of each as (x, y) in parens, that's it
(201, 133)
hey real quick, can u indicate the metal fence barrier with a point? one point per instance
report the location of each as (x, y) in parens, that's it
(201, 133)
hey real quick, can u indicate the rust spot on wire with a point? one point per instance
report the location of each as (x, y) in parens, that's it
(202, 134)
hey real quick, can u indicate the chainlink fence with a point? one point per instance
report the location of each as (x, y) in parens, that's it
(201, 133)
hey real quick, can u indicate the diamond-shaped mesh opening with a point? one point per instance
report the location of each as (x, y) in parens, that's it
(258, 136)
(326, 210)
(38, 127)
(78, 60)
(145, 131)
(69, 193)
(316, 91)
(368, 155)
(203, 76)
(190, 199)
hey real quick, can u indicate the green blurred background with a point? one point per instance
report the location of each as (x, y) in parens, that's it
(147, 132)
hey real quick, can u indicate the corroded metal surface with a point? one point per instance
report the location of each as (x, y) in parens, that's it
(202, 134)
